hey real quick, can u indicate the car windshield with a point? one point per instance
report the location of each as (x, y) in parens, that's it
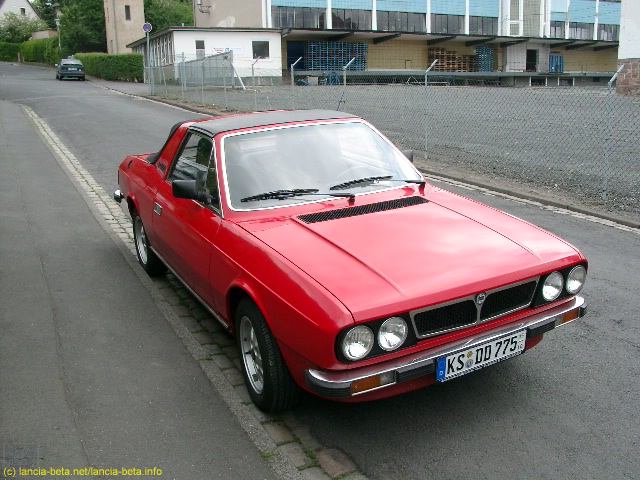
(312, 156)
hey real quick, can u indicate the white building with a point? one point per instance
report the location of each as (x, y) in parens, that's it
(255, 51)
(19, 7)
(629, 52)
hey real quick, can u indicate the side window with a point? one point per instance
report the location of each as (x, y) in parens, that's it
(193, 161)
(193, 164)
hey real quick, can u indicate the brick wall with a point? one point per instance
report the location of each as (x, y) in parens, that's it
(629, 79)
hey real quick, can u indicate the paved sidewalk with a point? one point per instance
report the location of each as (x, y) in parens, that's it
(91, 373)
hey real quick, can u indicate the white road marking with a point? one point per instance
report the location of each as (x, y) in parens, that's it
(534, 203)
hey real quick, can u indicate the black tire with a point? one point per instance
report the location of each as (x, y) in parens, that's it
(149, 260)
(58, 77)
(279, 392)
(83, 79)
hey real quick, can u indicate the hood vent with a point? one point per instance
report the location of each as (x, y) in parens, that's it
(362, 210)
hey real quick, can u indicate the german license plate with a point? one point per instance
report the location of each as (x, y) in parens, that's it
(72, 69)
(493, 351)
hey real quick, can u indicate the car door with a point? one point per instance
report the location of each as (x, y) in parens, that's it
(186, 229)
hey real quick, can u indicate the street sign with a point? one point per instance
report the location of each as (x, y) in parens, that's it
(147, 27)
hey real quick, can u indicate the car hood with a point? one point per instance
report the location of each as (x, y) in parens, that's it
(392, 261)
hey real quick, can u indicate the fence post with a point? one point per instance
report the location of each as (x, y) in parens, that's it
(293, 82)
(201, 82)
(183, 72)
(293, 65)
(606, 153)
(344, 71)
(253, 73)
(426, 109)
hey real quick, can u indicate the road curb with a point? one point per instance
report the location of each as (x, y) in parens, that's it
(285, 444)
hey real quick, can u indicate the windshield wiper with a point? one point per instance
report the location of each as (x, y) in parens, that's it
(368, 180)
(296, 192)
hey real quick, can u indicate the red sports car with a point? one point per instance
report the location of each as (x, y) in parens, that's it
(339, 270)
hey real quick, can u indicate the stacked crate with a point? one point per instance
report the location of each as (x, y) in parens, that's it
(332, 56)
(484, 58)
(449, 61)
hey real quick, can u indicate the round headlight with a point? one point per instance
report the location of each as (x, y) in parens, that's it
(576, 279)
(357, 343)
(552, 287)
(392, 333)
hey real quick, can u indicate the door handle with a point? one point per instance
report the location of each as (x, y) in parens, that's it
(157, 209)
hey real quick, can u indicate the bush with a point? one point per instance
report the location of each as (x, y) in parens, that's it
(9, 51)
(126, 67)
(41, 51)
(16, 28)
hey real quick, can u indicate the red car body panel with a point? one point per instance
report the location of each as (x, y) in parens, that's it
(313, 280)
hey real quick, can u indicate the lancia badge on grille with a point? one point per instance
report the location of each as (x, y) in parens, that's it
(480, 298)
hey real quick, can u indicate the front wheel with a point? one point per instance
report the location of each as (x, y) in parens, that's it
(266, 376)
(146, 257)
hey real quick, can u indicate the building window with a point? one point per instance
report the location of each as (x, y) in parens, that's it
(608, 32)
(447, 23)
(581, 31)
(483, 26)
(351, 19)
(260, 49)
(23, 12)
(199, 48)
(401, 21)
(298, 17)
(557, 29)
(127, 12)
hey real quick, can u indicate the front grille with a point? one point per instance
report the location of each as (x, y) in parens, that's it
(362, 209)
(465, 312)
(507, 300)
(446, 318)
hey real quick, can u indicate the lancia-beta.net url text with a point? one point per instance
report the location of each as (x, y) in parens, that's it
(61, 472)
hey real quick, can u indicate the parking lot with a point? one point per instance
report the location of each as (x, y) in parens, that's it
(564, 410)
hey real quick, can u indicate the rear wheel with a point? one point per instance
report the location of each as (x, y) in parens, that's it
(149, 260)
(266, 376)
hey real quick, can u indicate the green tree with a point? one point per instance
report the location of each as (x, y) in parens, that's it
(46, 11)
(17, 28)
(168, 13)
(82, 26)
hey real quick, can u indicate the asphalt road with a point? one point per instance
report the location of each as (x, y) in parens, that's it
(567, 409)
(90, 372)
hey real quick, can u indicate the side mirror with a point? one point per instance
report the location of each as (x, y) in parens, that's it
(408, 154)
(189, 189)
(56, 65)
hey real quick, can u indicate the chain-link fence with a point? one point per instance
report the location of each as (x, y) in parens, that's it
(573, 138)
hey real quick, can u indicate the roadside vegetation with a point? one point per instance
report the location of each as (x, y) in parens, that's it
(17, 28)
(9, 51)
(126, 67)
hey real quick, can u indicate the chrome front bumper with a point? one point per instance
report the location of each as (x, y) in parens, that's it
(421, 364)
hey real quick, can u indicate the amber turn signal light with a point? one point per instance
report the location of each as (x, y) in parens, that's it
(570, 315)
(371, 383)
